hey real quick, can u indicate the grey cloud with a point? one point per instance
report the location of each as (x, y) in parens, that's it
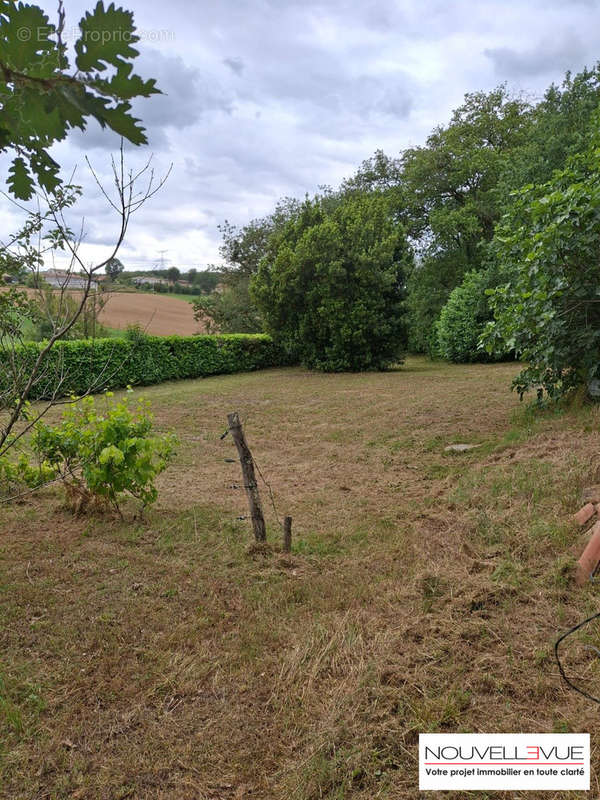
(548, 55)
(325, 87)
(188, 94)
(94, 137)
(236, 65)
(380, 17)
(265, 98)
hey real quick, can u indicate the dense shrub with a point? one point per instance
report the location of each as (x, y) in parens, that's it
(463, 320)
(331, 287)
(80, 366)
(230, 310)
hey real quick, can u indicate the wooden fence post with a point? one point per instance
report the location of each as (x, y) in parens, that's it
(287, 535)
(250, 484)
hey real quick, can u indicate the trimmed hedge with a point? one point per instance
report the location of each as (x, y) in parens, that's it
(116, 363)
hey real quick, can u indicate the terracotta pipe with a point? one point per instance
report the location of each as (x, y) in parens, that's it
(589, 558)
(584, 514)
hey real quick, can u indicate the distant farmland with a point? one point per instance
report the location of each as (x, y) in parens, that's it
(158, 314)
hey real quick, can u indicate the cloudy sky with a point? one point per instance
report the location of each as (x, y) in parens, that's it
(265, 98)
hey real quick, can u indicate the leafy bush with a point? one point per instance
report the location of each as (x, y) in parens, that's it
(428, 287)
(548, 310)
(94, 365)
(14, 475)
(230, 310)
(463, 319)
(105, 454)
(331, 287)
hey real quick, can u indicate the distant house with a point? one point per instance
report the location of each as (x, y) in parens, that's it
(145, 281)
(63, 279)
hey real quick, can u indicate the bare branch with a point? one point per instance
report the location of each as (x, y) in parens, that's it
(31, 250)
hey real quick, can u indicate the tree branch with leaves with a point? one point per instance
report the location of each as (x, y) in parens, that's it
(43, 97)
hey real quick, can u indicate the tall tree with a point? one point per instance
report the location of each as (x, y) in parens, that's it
(379, 173)
(173, 274)
(233, 310)
(450, 187)
(561, 126)
(331, 287)
(114, 267)
(451, 181)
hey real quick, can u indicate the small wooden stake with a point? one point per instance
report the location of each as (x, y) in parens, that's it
(250, 484)
(287, 535)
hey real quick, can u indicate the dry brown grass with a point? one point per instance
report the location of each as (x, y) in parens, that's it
(163, 660)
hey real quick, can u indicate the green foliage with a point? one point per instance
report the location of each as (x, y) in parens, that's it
(234, 310)
(52, 310)
(463, 319)
(16, 311)
(42, 99)
(450, 183)
(38, 237)
(331, 286)
(561, 126)
(97, 364)
(114, 268)
(549, 308)
(447, 197)
(428, 287)
(451, 201)
(14, 475)
(380, 174)
(205, 281)
(106, 453)
(230, 311)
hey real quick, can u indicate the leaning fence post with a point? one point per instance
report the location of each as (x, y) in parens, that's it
(250, 484)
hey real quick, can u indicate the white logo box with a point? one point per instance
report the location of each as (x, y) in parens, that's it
(504, 761)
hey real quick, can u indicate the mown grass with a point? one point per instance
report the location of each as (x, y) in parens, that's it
(163, 659)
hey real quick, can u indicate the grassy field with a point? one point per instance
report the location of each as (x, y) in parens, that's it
(164, 659)
(188, 298)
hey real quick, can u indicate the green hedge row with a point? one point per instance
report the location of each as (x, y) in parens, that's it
(75, 366)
